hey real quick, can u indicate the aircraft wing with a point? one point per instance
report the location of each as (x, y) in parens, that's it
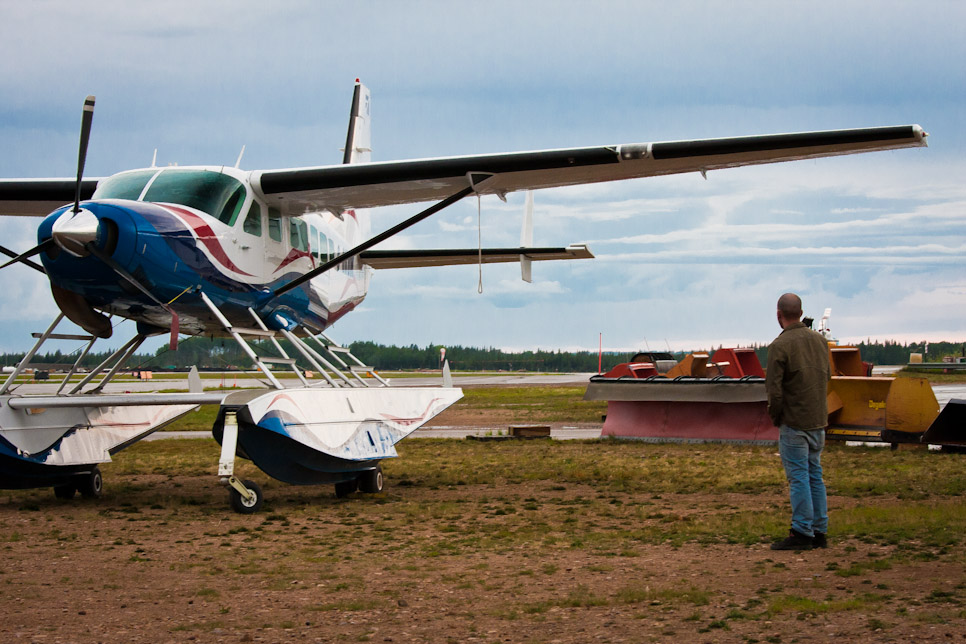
(40, 197)
(380, 259)
(366, 185)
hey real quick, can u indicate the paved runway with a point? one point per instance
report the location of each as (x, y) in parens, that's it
(248, 381)
(943, 394)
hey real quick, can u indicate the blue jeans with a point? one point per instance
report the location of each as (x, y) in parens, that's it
(801, 453)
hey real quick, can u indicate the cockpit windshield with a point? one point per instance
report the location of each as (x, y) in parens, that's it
(214, 193)
(211, 192)
(127, 185)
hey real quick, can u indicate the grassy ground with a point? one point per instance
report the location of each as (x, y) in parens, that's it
(533, 541)
(910, 496)
(934, 377)
(536, 404)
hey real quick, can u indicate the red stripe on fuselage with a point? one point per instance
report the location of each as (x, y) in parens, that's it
(293, 255)
(206, 236)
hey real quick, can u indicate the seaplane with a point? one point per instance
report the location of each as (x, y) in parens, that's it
(281, 253)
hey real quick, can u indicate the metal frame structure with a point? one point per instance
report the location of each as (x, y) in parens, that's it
(333, 375)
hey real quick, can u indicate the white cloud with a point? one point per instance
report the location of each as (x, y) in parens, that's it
(879, 237)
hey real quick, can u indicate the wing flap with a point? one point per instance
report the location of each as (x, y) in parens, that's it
(382, 184)
(380, 259)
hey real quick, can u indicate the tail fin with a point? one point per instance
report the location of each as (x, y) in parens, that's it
(357, 141)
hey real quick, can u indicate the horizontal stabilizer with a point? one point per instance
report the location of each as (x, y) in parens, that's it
(380, 259)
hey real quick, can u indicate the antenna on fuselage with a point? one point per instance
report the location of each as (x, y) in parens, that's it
(240, 155)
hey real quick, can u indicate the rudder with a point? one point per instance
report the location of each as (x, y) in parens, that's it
(357, 142)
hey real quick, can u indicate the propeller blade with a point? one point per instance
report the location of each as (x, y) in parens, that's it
(133, 281)
(22, 257)
(86, 119)
(34, 265)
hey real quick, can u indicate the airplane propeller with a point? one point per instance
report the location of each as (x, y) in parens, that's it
(70, 227)
(76, 232)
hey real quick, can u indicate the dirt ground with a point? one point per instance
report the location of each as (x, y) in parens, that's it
(159, 558)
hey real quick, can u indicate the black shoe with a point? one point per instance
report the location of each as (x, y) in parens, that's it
(820, 540)
(794, 541)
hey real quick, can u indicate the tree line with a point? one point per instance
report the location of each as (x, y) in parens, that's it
(225, 354)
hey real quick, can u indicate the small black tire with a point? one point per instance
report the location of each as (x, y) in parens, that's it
(372, 482)
(64, 492)
(243, 506)
(91, 485)
(345, 488)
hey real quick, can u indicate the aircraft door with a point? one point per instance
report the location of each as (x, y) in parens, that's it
(276, 249)
(249, 240)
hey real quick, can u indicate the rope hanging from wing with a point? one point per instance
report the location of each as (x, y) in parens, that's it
(479, 239)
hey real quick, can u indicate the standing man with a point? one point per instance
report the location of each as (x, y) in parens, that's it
(797, 383)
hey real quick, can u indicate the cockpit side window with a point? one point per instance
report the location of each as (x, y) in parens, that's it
(229, 212)
(126, 185)
(253, 220)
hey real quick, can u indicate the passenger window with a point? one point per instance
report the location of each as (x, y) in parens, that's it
(253, 221)
(275, 224)
(298, 234)
(314, 241)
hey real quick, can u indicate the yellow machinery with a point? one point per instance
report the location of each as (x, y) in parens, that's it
(891, 410)
(863, 407)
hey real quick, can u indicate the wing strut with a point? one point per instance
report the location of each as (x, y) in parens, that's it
(475, 179)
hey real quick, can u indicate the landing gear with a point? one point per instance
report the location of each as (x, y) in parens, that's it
(371, 482)
(249, 504)
(244, 497)
(345, 488)
(91, 485)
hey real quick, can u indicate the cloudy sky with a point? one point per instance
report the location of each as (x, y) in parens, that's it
(681, 261)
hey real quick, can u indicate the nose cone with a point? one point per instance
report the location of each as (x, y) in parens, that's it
(73, 230)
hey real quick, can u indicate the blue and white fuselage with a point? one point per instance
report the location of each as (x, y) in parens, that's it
(181, 231)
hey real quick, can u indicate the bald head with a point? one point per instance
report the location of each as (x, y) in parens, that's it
(789, 309)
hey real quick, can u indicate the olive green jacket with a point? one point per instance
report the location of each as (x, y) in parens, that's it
(796, 379)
